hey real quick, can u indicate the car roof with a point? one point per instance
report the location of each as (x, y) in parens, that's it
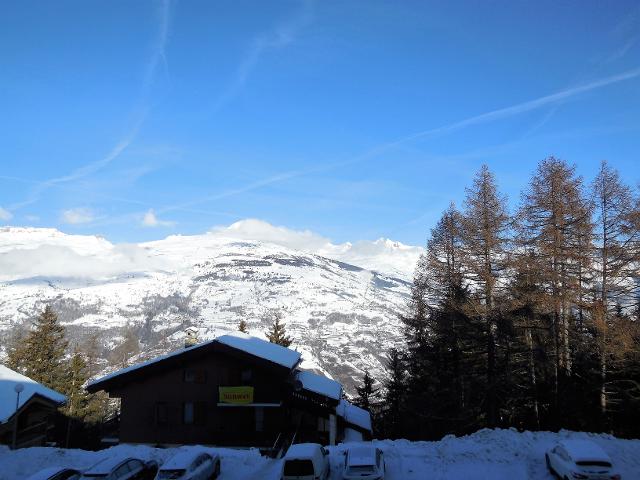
(584, 451)
(48, 472)
(302, 451)
(105, 465)
(361, 455)
(183, 459)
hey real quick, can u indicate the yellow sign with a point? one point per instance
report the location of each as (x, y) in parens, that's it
(237, 395)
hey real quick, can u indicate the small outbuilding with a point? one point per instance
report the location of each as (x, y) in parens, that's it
(235, 390)
(27, 410)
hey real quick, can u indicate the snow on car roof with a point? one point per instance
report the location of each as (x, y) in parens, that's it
(261, 348)
(8, 380)
(319, 384)
(584, 451)
(354, 415)
(302, 451)
(361, 455)
(105, 465)
(184, 458)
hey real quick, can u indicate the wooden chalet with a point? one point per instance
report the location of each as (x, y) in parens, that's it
(28, 410)
(236, 390)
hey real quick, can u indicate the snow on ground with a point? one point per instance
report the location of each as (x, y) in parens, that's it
(487, 454)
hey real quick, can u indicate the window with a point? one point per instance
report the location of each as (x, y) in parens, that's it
(200, 413)
(246, 376)
(195, 376)
(162, 414)
(298, 468)
(188, 413)
(121, 471)
(259, 419)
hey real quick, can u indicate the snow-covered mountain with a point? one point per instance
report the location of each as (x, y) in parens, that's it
(340, 302)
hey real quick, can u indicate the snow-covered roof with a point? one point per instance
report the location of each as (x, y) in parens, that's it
(302, 451)
(137, 366)
(253, 346)
(319, 384)
(261, 348)
(354, 415)
(361, 455)
(8, 380)
(584, 451)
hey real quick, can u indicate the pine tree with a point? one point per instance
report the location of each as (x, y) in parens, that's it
(616, 263)
(242, 327)
(367, 394)
(394, 395)
(554, 221)
(485, 243)
(77, 397)
(42, 355)
(277, 332)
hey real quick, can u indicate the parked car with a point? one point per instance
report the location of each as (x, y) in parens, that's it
(190, 465)
(119, 468)
(56, 473)
(306, 461)
(580, 459)
(363, 462)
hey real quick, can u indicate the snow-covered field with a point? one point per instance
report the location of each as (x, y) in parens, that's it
(487, 454)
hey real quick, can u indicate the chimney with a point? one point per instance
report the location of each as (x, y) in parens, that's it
(191, 337)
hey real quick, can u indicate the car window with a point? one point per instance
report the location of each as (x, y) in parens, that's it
(135, 465)
(296, 468)
(121, 471)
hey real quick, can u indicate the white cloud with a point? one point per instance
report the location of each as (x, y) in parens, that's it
(382, 255)
(56, 261)
(151, 220)
(5, 215)
(76, 216)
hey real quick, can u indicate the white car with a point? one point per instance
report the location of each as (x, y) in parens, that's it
(581, 460)
(119, 468)
(363, 462)
(190, 465)
(56, 473)
(306, 461)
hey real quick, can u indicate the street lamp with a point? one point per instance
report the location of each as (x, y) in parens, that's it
(17, 388)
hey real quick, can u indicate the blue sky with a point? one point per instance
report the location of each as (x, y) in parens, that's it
(356, 120)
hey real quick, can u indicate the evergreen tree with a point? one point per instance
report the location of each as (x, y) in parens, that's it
(242, 327)
(485, 242)
(394, 395)
(77, 397)
(277, 332)
(41, 356)
(367, 394)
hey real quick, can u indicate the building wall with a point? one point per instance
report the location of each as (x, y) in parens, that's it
(153, 408)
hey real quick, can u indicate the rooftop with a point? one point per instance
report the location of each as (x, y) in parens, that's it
(8, 380)
(319, 384)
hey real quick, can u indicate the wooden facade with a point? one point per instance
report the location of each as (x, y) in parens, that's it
(175, 400)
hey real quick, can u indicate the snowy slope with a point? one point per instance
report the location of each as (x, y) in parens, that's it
(338, 313)
(487, 454)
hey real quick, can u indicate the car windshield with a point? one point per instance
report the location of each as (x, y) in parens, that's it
(298, 467)
(169, 474)
(356, 469)
(594, 463)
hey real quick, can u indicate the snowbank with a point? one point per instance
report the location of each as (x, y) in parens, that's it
(487, 454)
